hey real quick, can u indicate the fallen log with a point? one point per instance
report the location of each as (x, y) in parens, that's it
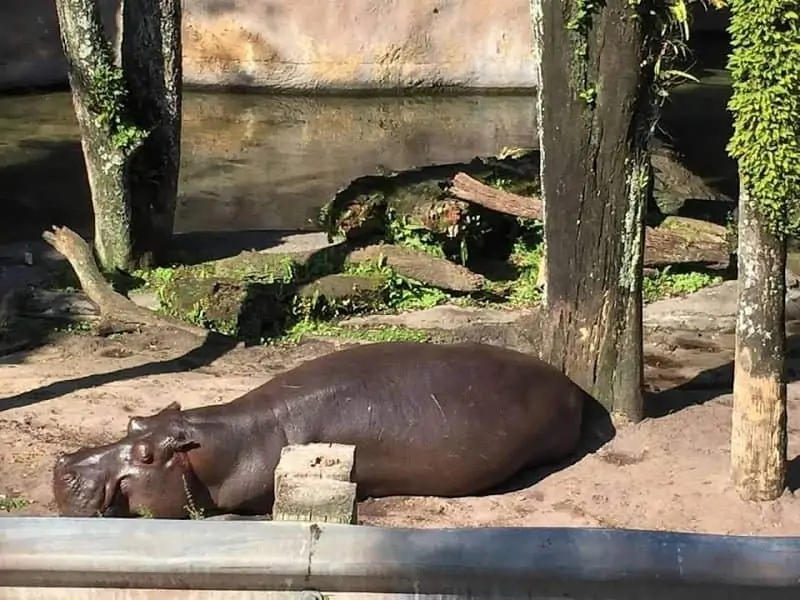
(421, 266)
(117, 312)
(469, 189)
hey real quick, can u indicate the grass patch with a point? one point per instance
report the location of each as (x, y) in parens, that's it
(665, 284)
(11, 502)
(388, 333)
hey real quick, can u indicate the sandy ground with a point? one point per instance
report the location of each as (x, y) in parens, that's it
(669, 472)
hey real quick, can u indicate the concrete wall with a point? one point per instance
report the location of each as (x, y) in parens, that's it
(309, 44)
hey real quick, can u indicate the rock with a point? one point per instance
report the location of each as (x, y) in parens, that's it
(251, 310)
(312, 483)
(674, 184)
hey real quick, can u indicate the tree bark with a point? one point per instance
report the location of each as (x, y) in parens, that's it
(596, 122)
(758, 429)
(152, 63)
(121, 109)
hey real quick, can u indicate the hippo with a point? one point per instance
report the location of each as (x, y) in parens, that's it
(442, 420)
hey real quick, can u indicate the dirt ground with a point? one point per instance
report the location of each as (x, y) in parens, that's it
(669, 472)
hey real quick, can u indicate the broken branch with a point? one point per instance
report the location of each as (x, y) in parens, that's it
(469, 189)
(112, 305)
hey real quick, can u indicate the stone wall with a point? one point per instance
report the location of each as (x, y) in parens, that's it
(310, 44)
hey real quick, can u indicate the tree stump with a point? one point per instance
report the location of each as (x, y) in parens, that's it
(312, 483)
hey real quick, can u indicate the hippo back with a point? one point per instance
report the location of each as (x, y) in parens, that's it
(429, 419)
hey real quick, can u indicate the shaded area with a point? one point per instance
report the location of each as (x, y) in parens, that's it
(696, 120)
(712, 383)
(212, 348)
(43, 182)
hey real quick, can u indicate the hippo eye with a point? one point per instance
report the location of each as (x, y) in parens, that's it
(144, 455)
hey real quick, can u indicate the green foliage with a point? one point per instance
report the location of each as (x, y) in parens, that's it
(315, 328)
(665, 284)
(404, 231)
(10, 503)
(764, 65)
(527, 257)
(108, 101)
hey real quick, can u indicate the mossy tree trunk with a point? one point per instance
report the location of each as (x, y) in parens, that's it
(766, 143)
(596, 117)
(128, 110)
(758, 432)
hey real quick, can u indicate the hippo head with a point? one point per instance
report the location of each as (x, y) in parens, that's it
(146, 473)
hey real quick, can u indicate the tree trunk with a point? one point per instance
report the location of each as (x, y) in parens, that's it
(119, 110)
(596, 121)
(94, 82)
(152, 63)
(758, 431)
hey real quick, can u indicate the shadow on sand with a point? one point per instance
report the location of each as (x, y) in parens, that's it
(713, 383)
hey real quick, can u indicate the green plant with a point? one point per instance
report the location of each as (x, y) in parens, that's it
(765, 41)
(108, 99)
(314, 328)
(527, 257)
(10, 503)
(401, 293)
(665, 284)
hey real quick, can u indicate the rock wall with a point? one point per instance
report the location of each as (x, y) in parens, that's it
(314, 44)
(308, 45)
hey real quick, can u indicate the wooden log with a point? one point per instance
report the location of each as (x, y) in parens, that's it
(469, 189)
(112, 305)
(421, 266)
(312, 483)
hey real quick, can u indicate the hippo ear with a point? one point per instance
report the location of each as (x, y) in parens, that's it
(171, 407)
(181, 440)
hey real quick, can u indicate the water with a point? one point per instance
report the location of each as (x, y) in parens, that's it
(251, 161)
(255, 162)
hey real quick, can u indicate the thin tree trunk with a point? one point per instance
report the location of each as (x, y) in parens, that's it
(91, 72)
(758, 431)
(596, 123)
(152, 62)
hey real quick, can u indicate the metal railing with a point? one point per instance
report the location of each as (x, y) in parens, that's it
(51, 558)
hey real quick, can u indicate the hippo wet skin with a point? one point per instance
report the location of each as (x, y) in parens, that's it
(426, 420)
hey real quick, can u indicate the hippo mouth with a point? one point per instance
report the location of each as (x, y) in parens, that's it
(77, 497)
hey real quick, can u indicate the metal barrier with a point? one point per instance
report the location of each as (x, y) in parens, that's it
(49, 558)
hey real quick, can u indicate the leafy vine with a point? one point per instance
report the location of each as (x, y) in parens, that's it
(765, 40)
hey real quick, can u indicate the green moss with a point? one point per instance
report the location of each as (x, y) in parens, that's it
(765, 37)
(107, 100)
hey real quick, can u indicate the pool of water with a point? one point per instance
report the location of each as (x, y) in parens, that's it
(251, 161)
(256, 162)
